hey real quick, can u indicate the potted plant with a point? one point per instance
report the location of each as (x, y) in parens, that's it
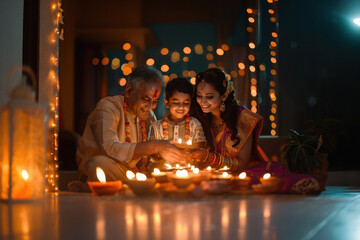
(301, 155)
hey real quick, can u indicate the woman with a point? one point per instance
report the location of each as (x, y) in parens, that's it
(232, 134)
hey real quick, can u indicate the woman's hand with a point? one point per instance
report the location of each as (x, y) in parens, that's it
(199, 155)
(172, 154)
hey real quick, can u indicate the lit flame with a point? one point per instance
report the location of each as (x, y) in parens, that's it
(189, 142)
(168, 165)
(177, 165)
(266, 176)
(192, 168)
(225, 168)
(179, 140)
(25, 175)
(242, 175)
(100, 175)
(182, 173)
(196, 170)
(225, 174)
(156, 171)
(140, 177)
(130, 174)
(208, 168)
(189, 165)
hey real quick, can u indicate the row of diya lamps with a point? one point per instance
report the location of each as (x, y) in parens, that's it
(210, 180)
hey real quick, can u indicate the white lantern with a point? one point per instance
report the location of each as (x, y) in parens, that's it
(23, 144)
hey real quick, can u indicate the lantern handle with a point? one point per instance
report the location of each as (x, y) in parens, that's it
(24, 69)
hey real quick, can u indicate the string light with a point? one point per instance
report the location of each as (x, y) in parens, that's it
(273, 11)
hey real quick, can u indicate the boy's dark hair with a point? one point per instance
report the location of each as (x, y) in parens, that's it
(178, 84)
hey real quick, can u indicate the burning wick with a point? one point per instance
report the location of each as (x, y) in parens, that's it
(181, 173)
(196, 170)
(25, 175)
(189, 142)
(130, 174)
(140, 177)
(179, 141)
(225, 174)
(100, 175)
(208, 168)
(266, 176)
(168, 166)
(177, 165)
(242, 175)
(156, 171)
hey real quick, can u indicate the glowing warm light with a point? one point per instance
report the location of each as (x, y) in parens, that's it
(357, 21)
(179, 140)
(129, 56)
(187, 50)
(196, 171)
(273, 53)
(249, 10)
(100, 175)
(273, 60)
(172, 76)
(25, 175)
(249, 29)
(251, 57)
(273, 72)
(105, 61)
(177, 165)
(156, 171)
(225, 168)
(140, 177)
(208, 168)
(225, 174)
(212, 65)
(233, 74)
(126, 46)
(210, 48)
(271, 118)
(95, 61)
(189, 142)
(252, 69)
(115, 61)
(241, 66)
(182, 173)
(164, 68)
(185, 59)
(251, 19)
(242, 73)
(273, 132)
(150, 62)
(271, 11)
(225, 47)
(274, 34)
(242, 175)
(266, 176)
(192, 168)
(122, 81)
(262, 67)
(175, 56)
(168, 166)
(199, 49)
(220, 52)
(273, 44)
(164, 51)
(273, 19)
(193, 81)
(167, 78)
(130, 174)
(209, 56)
(126, 69)
(251, 45)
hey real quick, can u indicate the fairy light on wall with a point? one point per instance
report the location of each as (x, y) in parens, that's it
(252, 19)
(273, 46)
(57, 34)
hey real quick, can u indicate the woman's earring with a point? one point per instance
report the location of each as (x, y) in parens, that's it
(222, 106)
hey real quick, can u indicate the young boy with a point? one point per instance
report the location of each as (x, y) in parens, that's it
(177, 124)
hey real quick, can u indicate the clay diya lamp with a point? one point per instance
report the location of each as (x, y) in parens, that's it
(160, 177)
(139, 183)
(181, 179)
(104, 188)
(268, 184)
(225, 176)
(200, 175)
(242, 181)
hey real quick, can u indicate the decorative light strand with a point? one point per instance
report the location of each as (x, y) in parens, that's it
(52, 167)
(273, 46)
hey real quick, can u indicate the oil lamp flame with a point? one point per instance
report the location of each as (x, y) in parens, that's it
(181, 173)
(156, 171)
(100, 175)
(189, 142)
(225, 174)
(25, 175)
(179, 141)
(208, 168)
(140, 177)
(242, 175)
(196, 171)
(130, 174)
(168, 165)
(266, 176)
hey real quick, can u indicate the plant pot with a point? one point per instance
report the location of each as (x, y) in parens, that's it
(321, 173)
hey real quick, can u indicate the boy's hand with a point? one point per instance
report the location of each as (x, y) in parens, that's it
(199, 155)
(172, 154)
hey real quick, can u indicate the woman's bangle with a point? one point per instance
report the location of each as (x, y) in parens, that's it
(207, 155)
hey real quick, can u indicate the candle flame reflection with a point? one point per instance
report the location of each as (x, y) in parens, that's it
(25, 175)
(100, 175)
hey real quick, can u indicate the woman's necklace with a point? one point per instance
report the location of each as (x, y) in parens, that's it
(128, 139)
(165, 125)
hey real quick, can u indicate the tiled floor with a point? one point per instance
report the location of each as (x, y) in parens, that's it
(334, 214)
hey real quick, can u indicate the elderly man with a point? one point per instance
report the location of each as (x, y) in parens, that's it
(116, 132)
